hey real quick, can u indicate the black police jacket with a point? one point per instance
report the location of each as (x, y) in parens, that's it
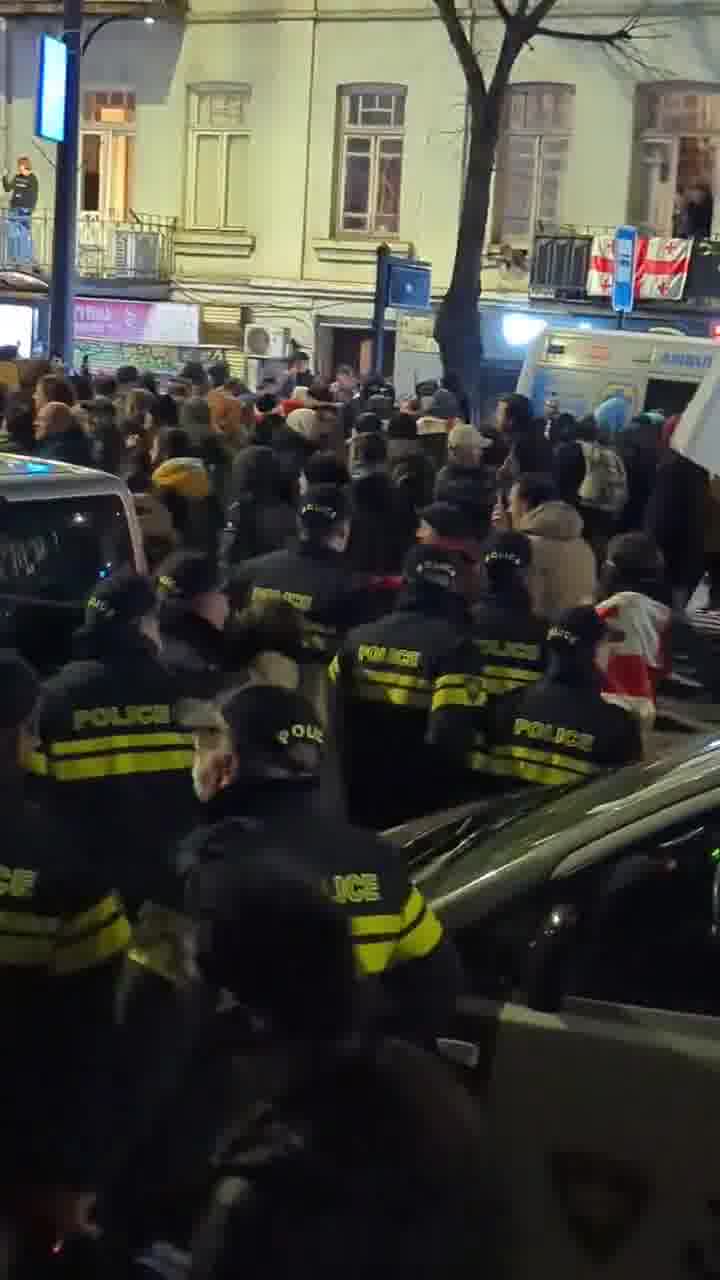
(113, 759)
(63, 933)
(398, 940)
(382, 680)
(558, 733)
(504, 652)
(316, 581)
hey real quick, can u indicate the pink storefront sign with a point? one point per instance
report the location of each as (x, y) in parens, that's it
(118, 321)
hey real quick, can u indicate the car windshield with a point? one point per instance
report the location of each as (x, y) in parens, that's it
(55, 550)
(513, 825)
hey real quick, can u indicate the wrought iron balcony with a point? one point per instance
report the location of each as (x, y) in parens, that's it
(140, 247)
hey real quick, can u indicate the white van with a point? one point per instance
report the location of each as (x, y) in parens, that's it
(581, 369)
(62, 530)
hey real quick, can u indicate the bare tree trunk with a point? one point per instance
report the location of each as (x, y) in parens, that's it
(457, 328)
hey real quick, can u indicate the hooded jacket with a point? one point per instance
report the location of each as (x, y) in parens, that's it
(562, 570)
(260, 519)
(470, 487)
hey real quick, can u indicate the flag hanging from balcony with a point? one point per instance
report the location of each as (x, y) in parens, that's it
(600, 273)
(661, 268)
(663, 272)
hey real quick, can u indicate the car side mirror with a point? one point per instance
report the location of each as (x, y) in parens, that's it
(549, 958)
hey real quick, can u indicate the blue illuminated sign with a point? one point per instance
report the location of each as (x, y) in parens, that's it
(51, 90)
(624, 251)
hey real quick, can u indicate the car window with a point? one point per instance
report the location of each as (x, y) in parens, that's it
(57, 550)
(647, 938)
(645, 931)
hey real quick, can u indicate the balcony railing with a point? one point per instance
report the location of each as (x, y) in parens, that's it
(141, 247)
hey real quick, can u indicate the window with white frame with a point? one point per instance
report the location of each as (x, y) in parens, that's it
(538, 122)
(370, 158)
(218, 150)
(677, 149)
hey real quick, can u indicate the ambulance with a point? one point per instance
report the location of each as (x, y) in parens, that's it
(580, 369)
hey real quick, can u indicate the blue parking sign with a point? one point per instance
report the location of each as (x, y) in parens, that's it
(624, 251)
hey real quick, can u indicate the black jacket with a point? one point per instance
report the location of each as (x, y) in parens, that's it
(384, 1137)
(255, 528)
(398, 940)
(114, 761)
(24, 187)
(196, 653)
(470, 488)
(316, 581)
(560, 732)
(675, 517)
(382, 687)
(383, 526)
(67, 446)
(62, 935)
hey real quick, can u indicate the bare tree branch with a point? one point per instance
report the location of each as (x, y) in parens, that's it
(462, 46)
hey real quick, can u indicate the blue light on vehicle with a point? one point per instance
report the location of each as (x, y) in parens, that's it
(38, 468)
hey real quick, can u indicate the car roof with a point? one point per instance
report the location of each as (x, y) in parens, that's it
(22, 476)
(559, 825)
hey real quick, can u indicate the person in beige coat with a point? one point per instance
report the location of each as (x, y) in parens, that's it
(563, 567)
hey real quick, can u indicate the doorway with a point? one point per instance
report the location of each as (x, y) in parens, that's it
(107, 155)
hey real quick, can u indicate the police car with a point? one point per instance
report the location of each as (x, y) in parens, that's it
(589, 925)
(62, 528)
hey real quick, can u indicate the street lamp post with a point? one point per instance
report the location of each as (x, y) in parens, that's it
(64, 226)
(62, 283)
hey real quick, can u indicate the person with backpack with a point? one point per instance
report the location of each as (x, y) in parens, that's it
(602, 484)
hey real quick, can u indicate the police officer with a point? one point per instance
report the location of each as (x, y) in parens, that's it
(561, 731)
(63, 933)
(111, 755)
(258, 753)
(505, 652)
(313, 576)
(193, 612)
(382, 678)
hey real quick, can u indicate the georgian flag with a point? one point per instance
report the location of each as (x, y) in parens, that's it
(602, 267)
(662, 274)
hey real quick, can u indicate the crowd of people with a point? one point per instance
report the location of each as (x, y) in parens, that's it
(225, 986)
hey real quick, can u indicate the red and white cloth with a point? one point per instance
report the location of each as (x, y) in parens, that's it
(662, 272)
(661, 268)
(641, 658)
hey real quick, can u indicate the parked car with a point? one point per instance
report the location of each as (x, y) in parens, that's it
(589, 924)
(62, 529)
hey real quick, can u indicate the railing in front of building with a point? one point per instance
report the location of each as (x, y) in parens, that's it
(139, 247)
(561, 260)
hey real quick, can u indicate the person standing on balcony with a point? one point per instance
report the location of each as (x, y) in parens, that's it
(24, 197)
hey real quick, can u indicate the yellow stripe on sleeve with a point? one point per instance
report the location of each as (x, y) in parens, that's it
(97, 948)
(422, 930)
(120, 764)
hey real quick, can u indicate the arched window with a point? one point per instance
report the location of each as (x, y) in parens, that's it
(538, 122)
(677, 146)
(371, 136)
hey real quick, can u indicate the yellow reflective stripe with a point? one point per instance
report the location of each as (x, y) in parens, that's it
(99, 947)
(556, 759)
(373, 957)
(334, 669)
(512, 673)
(94, 917)
(81, 746)
(377, 925)
(25, 951)
(399, 697)
(24, 922)
(120, 765)
(36, 762)
(452, 680)
(522, 770)
(397, 678)
(458, 698)
(422, 929)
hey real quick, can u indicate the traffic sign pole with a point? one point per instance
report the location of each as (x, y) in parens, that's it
(624, 259)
